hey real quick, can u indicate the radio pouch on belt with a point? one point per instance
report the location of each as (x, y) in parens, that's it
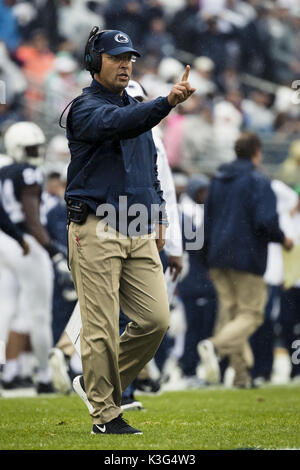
(77, 211)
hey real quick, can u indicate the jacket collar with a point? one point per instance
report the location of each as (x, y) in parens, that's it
(96, 87)
(234, 169)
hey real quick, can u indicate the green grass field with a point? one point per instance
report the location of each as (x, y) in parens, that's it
(267, 418)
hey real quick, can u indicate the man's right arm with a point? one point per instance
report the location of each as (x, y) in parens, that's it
(94, 122)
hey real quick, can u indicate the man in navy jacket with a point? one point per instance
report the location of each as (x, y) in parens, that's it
(113, 259)
(240, 221)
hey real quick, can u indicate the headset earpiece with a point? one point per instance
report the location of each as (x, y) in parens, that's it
(92, 57)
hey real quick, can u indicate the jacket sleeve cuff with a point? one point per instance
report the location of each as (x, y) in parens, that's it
(167, 105)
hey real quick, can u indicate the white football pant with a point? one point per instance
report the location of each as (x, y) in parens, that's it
(26, 287)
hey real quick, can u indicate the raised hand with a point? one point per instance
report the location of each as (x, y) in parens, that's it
(185, 76)
(182, 90)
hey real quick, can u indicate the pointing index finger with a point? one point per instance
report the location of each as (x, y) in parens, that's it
(185, 76)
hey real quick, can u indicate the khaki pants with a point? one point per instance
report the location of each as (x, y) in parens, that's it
(110, 270)
(242, 297)
(65, 344)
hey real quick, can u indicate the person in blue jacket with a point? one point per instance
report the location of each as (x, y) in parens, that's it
(113, 253)
(240, 220)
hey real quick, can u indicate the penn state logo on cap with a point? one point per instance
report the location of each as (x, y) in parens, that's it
(114, 42)
(121, 38)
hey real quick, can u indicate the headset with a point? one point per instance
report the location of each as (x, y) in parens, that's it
(92, 60)
(92, 56)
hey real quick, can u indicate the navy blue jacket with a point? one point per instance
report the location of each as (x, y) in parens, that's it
(240, 218)
(196, 283)
(112, 150)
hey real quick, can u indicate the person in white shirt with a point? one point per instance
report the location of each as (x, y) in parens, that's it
(271, 357)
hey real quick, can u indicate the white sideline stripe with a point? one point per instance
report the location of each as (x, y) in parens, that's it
(26, 393)
(18, 393)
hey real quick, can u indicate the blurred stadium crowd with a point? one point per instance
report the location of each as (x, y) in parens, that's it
(244, 55)
(245, 65)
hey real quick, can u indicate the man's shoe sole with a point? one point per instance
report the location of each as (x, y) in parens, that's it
(117, 434)
(81, 393)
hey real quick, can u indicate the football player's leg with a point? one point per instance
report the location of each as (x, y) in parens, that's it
(8, 295)
(35, 302)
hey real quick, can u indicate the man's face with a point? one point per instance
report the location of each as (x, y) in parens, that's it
(56, 187)
(115, 71)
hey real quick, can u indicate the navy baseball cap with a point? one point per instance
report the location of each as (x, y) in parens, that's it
(114, 42)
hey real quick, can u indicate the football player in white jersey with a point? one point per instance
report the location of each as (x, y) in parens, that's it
(29, 311)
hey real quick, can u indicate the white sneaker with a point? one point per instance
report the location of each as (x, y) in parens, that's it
(60, 377)
(131, 404)
(210, 361)
(79, 388)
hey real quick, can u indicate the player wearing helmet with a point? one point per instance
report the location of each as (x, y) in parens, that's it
(29, 311)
